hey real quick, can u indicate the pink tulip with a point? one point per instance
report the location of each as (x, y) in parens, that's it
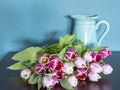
(81, 73)
(73, 81)
(39, 68)
(71, 54)
(80, 63)
(96, 57)
(44, 59)
(49, 81)
(95, 67)
(87, 56)
(105, 53)
(59, 74)
(107, 69)
(55, 64)
(25, 73)
(67, 68)
(94, 76)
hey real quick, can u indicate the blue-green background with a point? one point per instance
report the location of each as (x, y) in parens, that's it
(26, 23)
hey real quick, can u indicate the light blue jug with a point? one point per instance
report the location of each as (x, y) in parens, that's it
(85, 27)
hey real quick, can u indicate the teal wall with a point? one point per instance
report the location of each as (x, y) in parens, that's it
(26, 23)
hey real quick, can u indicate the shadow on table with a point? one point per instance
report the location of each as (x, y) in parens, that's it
(88, 85)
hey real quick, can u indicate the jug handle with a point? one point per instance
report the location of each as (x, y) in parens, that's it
(105, 31)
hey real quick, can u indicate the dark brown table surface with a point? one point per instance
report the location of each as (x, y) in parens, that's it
(10, 80)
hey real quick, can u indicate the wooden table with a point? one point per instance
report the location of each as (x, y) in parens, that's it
(10, 80)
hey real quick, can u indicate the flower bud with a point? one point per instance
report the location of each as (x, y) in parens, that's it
(39, 68)
(81, 73)
(55, 63)
(105, 53)
(96, 57)
(71, 54)
(44, 59)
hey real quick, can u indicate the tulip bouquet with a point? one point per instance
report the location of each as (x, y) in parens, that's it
(65, 63)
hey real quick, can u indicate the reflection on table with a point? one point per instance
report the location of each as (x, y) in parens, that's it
(83, 85)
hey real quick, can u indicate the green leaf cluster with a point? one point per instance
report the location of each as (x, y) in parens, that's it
(26, 58)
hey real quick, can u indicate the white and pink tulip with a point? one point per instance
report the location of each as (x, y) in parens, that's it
(49, 81)
(95, 67)
(25, 73)
(80, 63)
(73, 81)
(87, 56)
(94, 76)
(67, 68)
(106, 69)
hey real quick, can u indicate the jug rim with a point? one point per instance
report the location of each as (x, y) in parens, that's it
(84, 17)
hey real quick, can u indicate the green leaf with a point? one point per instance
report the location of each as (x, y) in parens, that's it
(50, 74)
(69, 39)
(64, 83)
(98, 49)
(39, 50)
(72, 63)
(33, 79)
(84, 49)
(39, 81)
(24, 55)
(52, 46)
(62, 53)
(52, 49)
(65, 59)
(28, 54)
(66, 40)
(27, 64)
(61, 42)
(78, 48)
(78, 43)
(16, 66)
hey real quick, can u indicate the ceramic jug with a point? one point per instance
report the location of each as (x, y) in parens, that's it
(85, 27)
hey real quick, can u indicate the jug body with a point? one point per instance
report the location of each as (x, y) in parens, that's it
(85, 31)
(85, 27)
